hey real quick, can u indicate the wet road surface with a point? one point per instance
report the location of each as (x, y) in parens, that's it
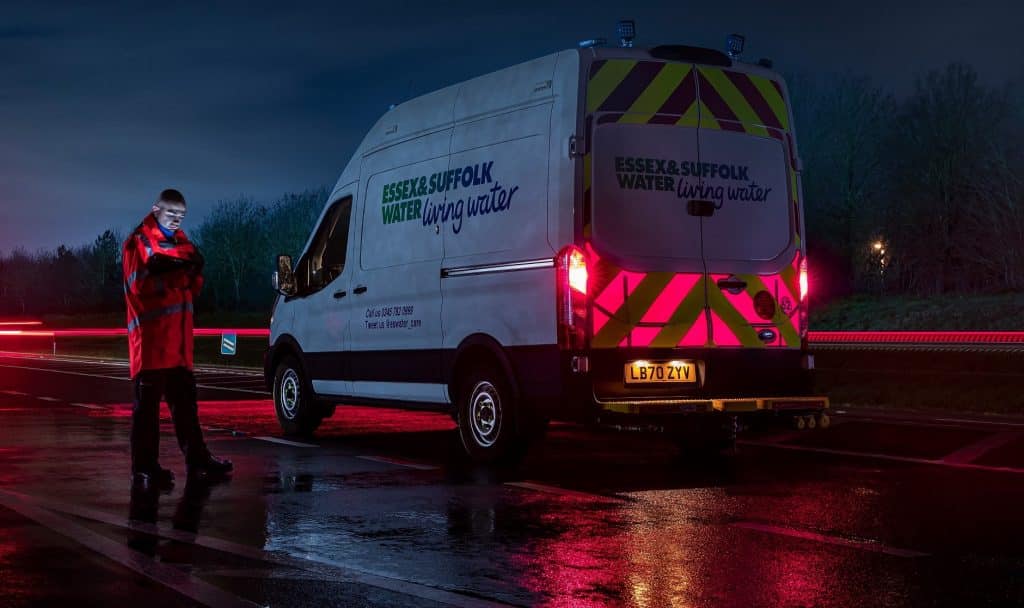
(380, 509)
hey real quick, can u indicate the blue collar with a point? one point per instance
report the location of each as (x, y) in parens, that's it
(167, 232)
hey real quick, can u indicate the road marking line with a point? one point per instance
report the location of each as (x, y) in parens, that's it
(969, 421)
(47, 399)
(237, 390)
(402, 463)
(89, 406)
(169, 576)
(864, 545)
(876, 456)
(978, 449)
(16, 393)
(540, 487)
(295, 444)
(60, 371)
(307, 562)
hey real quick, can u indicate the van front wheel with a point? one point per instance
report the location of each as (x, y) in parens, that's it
(487, 417)
(293, 400)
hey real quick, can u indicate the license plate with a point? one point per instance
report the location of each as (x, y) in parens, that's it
(660, 372)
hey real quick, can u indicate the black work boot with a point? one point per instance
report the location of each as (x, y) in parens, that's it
(156, 479)
(209, 468)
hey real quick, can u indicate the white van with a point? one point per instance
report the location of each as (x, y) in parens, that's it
(610, 235)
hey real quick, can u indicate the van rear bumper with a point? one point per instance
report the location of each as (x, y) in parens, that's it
(741, 381)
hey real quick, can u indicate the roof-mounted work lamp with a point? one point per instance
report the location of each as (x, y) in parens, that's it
(627, 32)
(734, 45)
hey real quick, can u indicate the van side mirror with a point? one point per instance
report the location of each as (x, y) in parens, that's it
(698, 208)
(284, 278)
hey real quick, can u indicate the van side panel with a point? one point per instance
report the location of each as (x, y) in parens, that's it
(564, 177)
(499, 217)
(395, 298)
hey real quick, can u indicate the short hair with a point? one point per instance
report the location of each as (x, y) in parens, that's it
(171, 195)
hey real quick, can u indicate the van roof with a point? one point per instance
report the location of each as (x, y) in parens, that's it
(460, 101)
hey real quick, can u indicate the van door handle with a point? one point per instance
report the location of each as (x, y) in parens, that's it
(732, 285)
(360, 289)
(340, 294)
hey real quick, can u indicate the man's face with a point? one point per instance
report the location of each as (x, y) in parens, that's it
(169, 214)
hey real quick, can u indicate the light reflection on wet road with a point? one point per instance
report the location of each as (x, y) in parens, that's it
(590, 519)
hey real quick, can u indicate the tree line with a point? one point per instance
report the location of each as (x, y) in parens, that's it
(919, 195)
(238, 240)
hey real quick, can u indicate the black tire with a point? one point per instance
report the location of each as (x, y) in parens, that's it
(294, 402)
(487, 417)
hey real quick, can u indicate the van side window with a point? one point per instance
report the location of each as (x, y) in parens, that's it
(325, 258)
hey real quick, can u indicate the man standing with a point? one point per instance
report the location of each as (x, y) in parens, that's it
(162, 277)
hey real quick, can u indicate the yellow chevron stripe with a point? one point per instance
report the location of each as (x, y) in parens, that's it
(611, 74)
(691, 118)
(688, 313)
(634, 308)
(757, 130)
(658, 92)
(775, 101)
(791, 281)
(790, 336)
(707, 119)
(731, 317)
(732, 96)
(636, 119)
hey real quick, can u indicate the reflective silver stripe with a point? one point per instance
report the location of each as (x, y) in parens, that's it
(146, 243)
(463, 271)
(138, 275)
(153, 314)
(167, 245)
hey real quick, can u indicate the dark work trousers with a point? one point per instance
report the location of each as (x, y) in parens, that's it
(178, 387)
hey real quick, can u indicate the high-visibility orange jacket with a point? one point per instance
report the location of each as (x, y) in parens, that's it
(162, 277)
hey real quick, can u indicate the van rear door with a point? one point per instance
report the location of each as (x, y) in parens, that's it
(648, 269)
(665, 134)
(750, 243)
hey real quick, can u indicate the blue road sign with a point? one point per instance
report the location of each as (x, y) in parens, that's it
(228, 344)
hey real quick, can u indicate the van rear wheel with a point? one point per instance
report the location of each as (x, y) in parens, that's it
(294, 404)
(487, 417)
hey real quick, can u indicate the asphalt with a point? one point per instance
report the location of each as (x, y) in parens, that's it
(379, 509)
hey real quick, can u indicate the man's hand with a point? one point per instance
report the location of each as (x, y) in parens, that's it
(161, 264)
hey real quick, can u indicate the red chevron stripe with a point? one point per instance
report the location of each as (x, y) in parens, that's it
(632, 86)
(719, 109)
(682, 98)
(754, 98)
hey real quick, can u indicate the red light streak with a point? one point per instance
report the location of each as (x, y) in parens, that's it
(113, 332)
(13, 323)
(917, 337)
(815, 337)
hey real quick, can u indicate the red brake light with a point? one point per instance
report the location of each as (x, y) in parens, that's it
(572, 279)
(577, 270)
(803, 279)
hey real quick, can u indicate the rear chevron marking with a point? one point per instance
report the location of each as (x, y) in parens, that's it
(604, 81)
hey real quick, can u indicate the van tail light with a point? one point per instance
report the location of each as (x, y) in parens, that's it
(572, 286)
(803, 279)
(803, 299)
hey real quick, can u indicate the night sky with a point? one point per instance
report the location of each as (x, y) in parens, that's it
(102, 105)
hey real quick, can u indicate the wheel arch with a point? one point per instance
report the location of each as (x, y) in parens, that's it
(472, 349)
(285, 345)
